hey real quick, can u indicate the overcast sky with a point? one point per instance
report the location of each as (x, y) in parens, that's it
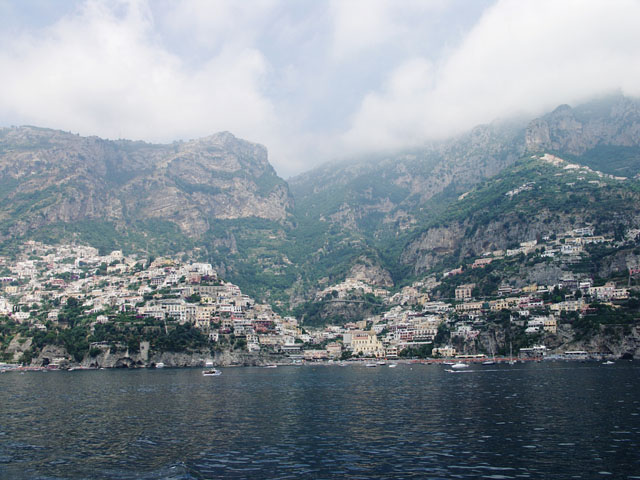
(312, 80)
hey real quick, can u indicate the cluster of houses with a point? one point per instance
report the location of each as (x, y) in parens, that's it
(413, 319)
(45, 277)
(34, 285)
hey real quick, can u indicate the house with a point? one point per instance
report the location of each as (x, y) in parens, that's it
(604, 292)
(334, 350)
(464, 291)
(20, 317)
(481, 262)
(469, 307)
(446, 351)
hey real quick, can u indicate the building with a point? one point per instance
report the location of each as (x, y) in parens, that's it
(464, 291)
(334, 350)
(367, 344)
(446, 351)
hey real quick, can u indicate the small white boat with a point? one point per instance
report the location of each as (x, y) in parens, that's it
(371, 365)
(393, 365)
(159, 365)
(489, 362)
(459, 366)
(270, 366)
(214, 372)
(608, 362)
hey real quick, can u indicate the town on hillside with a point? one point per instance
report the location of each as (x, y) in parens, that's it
(91, 306)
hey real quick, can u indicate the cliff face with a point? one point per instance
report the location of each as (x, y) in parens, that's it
(381, 194)
(49, 176)
(577, 130)
(114, 358)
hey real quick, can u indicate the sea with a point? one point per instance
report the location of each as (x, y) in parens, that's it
(549, 420)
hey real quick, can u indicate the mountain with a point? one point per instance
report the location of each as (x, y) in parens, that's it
(541, 195)
(385, 219)
(609, 121)
(365, 210)
(603, 134)
(384, 201)
(52, 181)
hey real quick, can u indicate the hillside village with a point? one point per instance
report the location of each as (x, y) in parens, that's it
(44, 283)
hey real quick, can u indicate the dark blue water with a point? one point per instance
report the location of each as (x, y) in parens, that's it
(539, 421)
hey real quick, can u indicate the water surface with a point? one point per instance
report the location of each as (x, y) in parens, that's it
(549, 420)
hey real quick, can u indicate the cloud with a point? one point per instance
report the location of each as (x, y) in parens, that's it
(364, 25)
(206, 26)
(313, 81)
(104, 71)
(520, 57)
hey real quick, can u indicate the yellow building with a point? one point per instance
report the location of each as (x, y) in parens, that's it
(503, 303)
(367, 344)
(550, 324)
(469, 307)
(464, 291)
(445, 351)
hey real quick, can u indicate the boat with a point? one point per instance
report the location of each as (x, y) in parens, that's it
(381, 362)
(159, 365)
(214, 372)
(270, 366)
(608, 362)
(393, 365)
(459, 366)
(371, 365)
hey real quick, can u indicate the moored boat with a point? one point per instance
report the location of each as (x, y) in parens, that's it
(459, 366)
(214, 372)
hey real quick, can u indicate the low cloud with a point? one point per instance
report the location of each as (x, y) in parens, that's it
(102, 71)
(313, 81)
(521, 57)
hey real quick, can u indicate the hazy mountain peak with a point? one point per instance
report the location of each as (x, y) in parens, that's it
(613, 120)
(49, 176)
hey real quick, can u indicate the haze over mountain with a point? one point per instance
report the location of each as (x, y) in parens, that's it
(311, 80)
(385, 218)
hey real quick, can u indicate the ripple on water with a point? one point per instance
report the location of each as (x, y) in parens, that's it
(323, 423)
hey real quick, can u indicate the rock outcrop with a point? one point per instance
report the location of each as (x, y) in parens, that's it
(576, 131)
(48, 176)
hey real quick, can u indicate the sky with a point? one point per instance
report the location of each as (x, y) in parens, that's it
(312, 80)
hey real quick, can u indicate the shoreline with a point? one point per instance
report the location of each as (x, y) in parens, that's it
(9, 367)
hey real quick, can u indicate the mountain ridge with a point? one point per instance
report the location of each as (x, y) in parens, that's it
(284, 241)
(188, 183)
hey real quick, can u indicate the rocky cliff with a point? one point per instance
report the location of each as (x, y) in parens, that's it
(554, 201)
(118, 358)
(609, 121)
(50, 177)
